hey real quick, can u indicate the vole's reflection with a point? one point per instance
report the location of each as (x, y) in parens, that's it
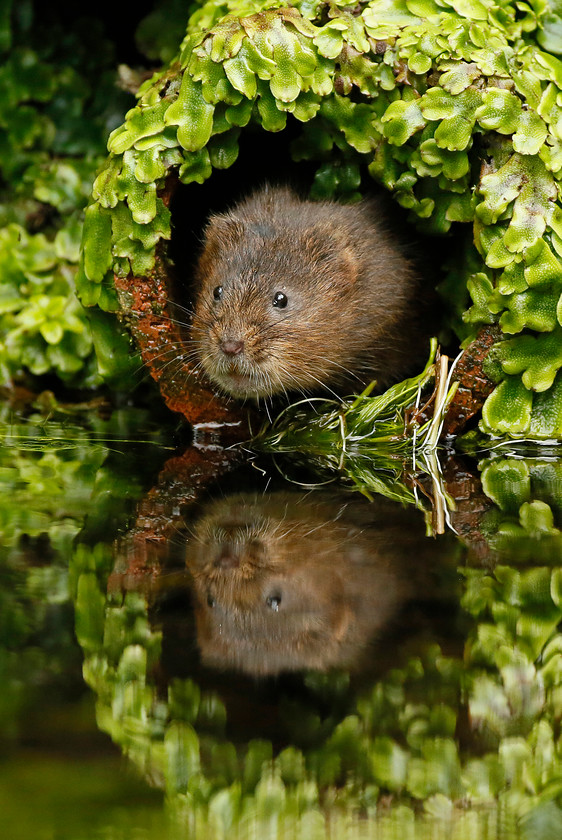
(292, 580)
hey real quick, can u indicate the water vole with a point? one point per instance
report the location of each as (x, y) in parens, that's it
(296, 295)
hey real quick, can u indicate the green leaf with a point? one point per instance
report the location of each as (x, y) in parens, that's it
(482, 293)
(142, 201)
(531, 309)
(52, 332)
(355, 120)
(215, 85)
(472, 9)
(533, 206)
(530, 135)
(286, 83)
(499, 190)
(271, 117)
(500, 111)
(512, 279)
(456, 114)
(549, 35)
(196, 167)
(112, 344)
(142, 121)
(401, 120)
(536, 358)
(260, 63)
(546, 420)
(549, 109)
(240, 76)
(304, 108)
(542, 266)
(223, 150)
(149, 166)
(419, 63)
(227, 37)
(192, 114)
(240, 114)
(526, 181)
(97, 243)
(454, 165)
(460, 77)
(329, 39)
(507, 411)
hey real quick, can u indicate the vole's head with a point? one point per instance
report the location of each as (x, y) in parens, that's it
(277, 295)
(283, 581)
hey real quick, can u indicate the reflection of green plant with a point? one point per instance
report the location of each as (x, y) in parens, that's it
(60, 482)
(398, 736)
(56, 482)
(528, 508)
(515, 684)
(44, 497)
(180, 740)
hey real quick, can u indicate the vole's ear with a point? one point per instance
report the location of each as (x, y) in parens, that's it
(331, 251)
(349, 263)
(263, 230)
(223, 229)
(221, 235)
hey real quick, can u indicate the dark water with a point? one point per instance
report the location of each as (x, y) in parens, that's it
(193, 646)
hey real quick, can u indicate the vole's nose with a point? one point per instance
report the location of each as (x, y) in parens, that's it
(227, 559)
(231, 346)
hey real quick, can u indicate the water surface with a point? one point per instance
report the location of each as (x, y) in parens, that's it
(193, 646)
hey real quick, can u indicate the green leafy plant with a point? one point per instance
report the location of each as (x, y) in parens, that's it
(452, 106)
(378, 443)
(58, 101)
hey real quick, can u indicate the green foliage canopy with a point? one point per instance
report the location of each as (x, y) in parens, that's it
(453, 106)
(58, 102)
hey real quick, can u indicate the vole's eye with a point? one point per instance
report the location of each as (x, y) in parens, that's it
(217, 292)
(210, 601)
(273, 602)
(280, 300)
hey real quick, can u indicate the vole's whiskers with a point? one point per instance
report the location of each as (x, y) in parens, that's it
(158, 317)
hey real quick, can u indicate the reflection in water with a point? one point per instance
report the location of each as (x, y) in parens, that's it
(64, 487)
(426, 737)
(287, 580)
(462, 737)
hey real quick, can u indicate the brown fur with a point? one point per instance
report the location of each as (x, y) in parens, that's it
(342, 568)
(350, 288)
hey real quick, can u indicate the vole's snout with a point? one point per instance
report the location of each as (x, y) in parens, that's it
(231, 346)
(227, 559)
